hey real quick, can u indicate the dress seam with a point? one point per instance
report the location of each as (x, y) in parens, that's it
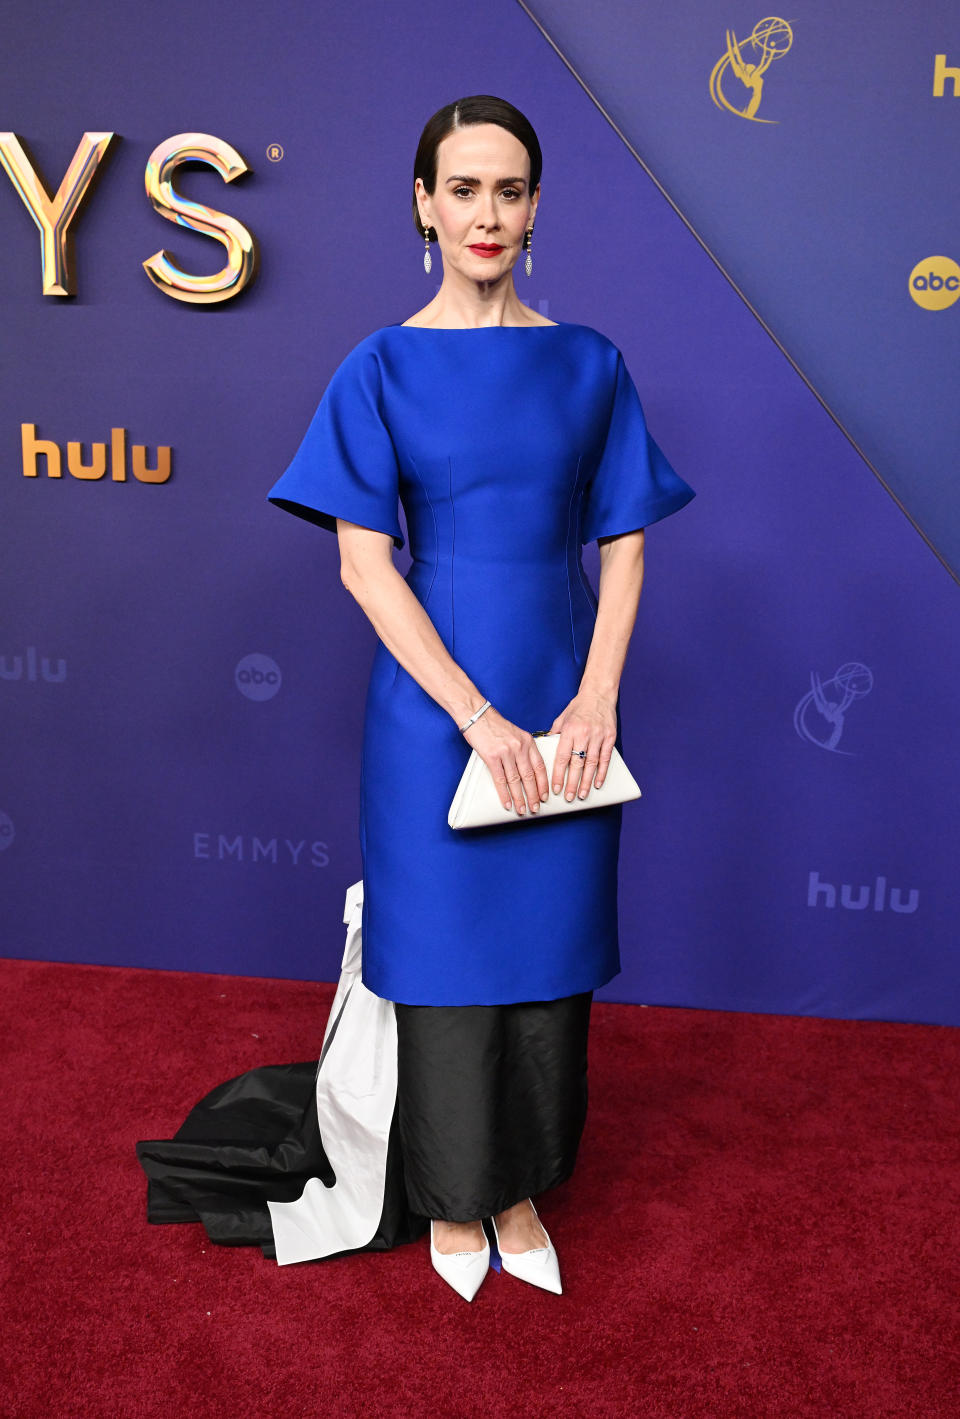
(436, 532)
(453, 543)
(569, 552)
(588, 590)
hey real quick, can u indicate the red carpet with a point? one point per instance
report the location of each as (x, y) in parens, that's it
(763, 1222)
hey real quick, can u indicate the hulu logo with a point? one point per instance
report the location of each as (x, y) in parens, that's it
(32, 667)
(868, 895)
(34, 447)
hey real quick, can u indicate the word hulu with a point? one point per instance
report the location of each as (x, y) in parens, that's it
(97, 467)
(19, 667)
(871, 894)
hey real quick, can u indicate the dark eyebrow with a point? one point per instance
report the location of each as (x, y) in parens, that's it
(502, 182)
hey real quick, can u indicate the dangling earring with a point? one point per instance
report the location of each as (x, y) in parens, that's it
(427, 262)
(528, 264)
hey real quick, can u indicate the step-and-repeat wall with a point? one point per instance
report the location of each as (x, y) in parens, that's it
(760, 211)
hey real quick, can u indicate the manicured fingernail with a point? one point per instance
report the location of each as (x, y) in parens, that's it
(569, 797)
(556, 788)
(543, 796)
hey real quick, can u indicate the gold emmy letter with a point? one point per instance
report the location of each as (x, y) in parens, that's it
(53, 215)
(241, 253)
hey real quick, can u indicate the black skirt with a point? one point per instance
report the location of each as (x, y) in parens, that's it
(491, 1103)
(491, 1100)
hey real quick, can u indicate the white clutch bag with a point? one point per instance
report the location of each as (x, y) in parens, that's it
(476, 803)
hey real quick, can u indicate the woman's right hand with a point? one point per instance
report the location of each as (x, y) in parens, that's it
(512, 756)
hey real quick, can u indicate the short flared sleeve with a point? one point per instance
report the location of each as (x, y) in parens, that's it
(633, 483)
(346, 465)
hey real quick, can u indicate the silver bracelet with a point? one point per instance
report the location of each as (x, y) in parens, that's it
(474, 717)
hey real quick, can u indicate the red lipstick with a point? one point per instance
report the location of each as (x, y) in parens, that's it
(485, 249)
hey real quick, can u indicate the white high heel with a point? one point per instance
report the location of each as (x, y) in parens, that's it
(463, 1270)
(539, 1265)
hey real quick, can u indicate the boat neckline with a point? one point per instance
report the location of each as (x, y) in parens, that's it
(459, 329)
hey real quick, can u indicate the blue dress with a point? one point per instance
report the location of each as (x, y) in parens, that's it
(509, 448)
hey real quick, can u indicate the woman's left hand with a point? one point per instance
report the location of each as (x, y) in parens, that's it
(589, 722)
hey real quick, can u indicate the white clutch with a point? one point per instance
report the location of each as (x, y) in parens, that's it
(476, 803)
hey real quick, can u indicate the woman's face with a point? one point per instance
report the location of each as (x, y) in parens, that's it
(481, 200)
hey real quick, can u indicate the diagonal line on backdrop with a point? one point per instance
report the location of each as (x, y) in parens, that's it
(726, 275)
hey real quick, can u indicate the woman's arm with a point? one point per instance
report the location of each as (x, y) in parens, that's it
(590, 719)
(368, 573)
(621, 581)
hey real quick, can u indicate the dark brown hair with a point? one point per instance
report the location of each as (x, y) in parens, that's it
(478, 108)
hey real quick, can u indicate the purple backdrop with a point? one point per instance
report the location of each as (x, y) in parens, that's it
(181, 671)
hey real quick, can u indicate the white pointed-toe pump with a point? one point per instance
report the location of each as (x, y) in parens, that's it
(539, 1265)
(463, 1270)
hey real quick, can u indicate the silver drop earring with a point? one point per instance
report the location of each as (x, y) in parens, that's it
(427, 261)
(528, 264)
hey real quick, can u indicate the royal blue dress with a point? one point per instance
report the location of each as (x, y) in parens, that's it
(509, 448)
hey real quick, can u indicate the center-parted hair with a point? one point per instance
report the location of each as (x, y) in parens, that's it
(478, 108)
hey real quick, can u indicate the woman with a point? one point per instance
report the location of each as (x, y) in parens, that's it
(511, 440)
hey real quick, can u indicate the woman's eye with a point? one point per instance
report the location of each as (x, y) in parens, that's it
(507, 192)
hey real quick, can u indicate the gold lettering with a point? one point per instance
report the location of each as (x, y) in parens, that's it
(54, 215)
(941, 73)
(32, 446)
(142, 473)
(118, 455)
(241, 251)
(95, 469)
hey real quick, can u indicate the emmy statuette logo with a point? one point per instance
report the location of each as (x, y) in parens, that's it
(769, 40)
(820, 717)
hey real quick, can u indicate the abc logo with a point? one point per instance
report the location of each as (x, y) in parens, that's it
(935, 282)
(258, 677)
(6, 830)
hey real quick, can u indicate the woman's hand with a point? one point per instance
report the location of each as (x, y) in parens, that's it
(588, 722)
(512, 756)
